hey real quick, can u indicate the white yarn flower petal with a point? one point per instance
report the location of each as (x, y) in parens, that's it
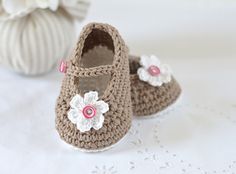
(144, 61)
(155, 81)
(165, 69)
(166, 73)
(102, 106)
(74, 115)
(165, 78)
(154, 61)
(98, 122)
(87, 112)
(143, 74)
(90, 97)
(77, 102)
(84, 124)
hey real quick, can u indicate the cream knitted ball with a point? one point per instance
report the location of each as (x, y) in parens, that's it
(32, 44)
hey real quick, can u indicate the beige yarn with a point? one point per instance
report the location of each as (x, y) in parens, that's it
(146, 99)
(110, 77)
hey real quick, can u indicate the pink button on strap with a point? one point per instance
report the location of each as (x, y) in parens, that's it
(63, 66)
(154, 70)
(89, 111)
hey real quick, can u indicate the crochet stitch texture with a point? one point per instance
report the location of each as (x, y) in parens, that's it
(147, 99)
(107, 75)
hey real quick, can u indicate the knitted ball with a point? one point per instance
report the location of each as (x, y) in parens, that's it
(34, 43)
(34, 39)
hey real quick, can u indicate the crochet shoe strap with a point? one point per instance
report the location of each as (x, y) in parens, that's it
(90, 72)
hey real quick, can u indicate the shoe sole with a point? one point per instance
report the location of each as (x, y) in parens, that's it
(94, 150)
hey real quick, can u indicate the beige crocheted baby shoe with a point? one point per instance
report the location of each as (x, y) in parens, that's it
(94, 109)
(153, 87)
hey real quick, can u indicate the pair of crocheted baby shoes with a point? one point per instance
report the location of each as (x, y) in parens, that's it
(104, 86)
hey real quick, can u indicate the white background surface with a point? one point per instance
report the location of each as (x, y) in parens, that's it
(198, 39)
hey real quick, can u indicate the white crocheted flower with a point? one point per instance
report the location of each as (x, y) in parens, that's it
(153, 72)
(87, 112)
(18, 7)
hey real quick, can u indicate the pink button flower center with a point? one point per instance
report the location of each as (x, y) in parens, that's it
(63, 67)
(154, 70)
(89, 111)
